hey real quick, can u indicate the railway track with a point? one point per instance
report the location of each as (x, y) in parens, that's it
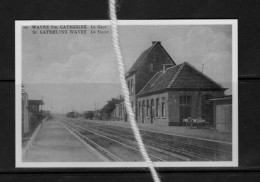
(101, 142)
(158, 145)
(195, 152)
(108, 154)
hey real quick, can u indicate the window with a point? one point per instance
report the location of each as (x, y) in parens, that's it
(152, 107)
(143, 104)
(120, 109)
(139, 108)
(157, 107)
(147, 108)
(131, 86)
(134, 107)
(124, 110)
(185, 99)
(128, 84)
(163, 106)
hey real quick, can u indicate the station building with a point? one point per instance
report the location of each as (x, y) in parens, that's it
(164, 93)
(146, 66)
(177, 93)
(32, 113)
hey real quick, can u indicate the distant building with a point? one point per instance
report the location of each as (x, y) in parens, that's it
(35, 106)
(152, 60)
(97, 115)
(176, 93)
(73, 114)
(119, 113)
(25, 112)
(222, 113)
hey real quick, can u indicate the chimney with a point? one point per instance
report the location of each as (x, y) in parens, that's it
(154, 42)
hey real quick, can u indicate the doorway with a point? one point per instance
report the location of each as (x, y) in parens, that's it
(185, 112)
(224, 118)
(185, 107)
(207, 109)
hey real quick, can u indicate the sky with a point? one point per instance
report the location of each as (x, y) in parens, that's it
(79, 72)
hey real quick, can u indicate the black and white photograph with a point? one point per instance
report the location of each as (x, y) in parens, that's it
(182, 82)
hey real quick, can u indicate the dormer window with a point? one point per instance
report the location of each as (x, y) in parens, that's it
(151, 67)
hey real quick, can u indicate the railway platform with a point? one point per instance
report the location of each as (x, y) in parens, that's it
(56, 143)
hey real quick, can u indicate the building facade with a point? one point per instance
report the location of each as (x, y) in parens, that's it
(164, 93)
(176, 93)
(146, 66)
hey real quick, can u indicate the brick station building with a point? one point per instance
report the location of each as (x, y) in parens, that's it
(164, 93)
(175, 93)
(146, 66)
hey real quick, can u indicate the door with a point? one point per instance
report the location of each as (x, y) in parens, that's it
(185, 112)
(224, 118)
(152, 111)
(185, 107)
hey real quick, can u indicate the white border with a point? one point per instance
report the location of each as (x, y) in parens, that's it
(18, 81)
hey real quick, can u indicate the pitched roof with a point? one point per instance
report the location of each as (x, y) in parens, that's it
(180, 77)
(142, 58)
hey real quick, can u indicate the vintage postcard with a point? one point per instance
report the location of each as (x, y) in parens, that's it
(182, 79)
